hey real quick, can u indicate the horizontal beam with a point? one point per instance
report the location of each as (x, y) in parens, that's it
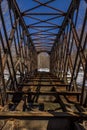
(43, 40)
(48, 39)
(45, 93)
(43, 36)
(44, 85)
(44, 43)
(42, 46)
(43, 26)
(39, 51)
(48, 34)
(50, 78)
(45, 80)
(22, 115)
(36, 13)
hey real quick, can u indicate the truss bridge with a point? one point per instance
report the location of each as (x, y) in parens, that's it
(43, 65)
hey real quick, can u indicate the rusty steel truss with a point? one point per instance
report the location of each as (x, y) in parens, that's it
(19, 48)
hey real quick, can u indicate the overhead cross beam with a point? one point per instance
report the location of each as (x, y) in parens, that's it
(48, 39)
(50, 1)
(44, 21)
(56, 9)
(42, 31)
(44, 26)
(42, 14)
(38, 43)
(46, 32)
(50, 36)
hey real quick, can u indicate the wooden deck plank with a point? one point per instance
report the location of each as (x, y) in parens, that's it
(43, 85)
(16, 114)
(45, 93)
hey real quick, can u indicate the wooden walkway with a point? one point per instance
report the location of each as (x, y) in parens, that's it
(41, 98)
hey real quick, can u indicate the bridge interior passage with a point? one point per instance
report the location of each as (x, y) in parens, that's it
(46, 35)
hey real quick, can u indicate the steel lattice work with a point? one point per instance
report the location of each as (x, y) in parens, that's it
(26, 33)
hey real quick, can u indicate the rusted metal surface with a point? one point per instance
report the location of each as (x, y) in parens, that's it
(25, 89)
(69, 52)
(19, 54)
(41, 104)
